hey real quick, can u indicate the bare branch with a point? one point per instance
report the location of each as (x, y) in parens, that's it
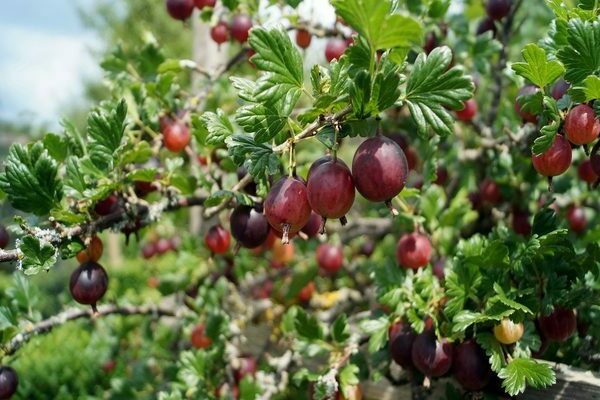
(77, 313)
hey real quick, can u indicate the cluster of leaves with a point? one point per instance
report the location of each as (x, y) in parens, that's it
(489, 276)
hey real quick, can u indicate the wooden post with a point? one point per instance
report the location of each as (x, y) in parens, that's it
(207, 54)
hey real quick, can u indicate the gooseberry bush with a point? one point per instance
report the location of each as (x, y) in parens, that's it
(406, 209)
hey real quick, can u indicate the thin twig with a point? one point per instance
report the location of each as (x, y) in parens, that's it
(77, 313)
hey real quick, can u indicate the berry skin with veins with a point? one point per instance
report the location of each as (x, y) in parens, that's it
(379, 169)
(334, 49)
(9, 382)
(287, 208)
(249, 226)
(581, 125)
(413, 251)
(556, 160)
(559, 325)
(430, 355)
(508, 332)
(586, 172)
(220, 32)
(577, 219)
(240, 27)
(88, 283)
(217, 239)
(471, 367)
(180, 9)
(331, 190)
(330, 258)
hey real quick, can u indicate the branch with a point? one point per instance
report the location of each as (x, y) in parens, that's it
(77, 313)
(106, 222)
(210, 212)
(311, 130)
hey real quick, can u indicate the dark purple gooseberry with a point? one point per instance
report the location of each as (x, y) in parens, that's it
(88, 283)
(595, 161)
(249, 226)
(312, 227)
(148, 250)
(560, 89)
(4, 237)
(320, 161)
(559, 325)
(471, 367)
(431, 42)
(498, 9)
(367, 248)
(379, 169)
(438, 269)
(180, 9)
(431, 356)
(331, 191)
(107, 206)
(287, 208)
(485, 25)
(400, 345)
(9, 382)
(520, 222)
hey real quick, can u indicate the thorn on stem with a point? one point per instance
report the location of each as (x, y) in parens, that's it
(343, 220)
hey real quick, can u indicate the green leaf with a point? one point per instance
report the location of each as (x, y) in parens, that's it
(591, 88)
(549, 131)
(503, 298)
(36, 256)
(432, 88)
(140, 153)
(307, 326)
(105, 130)
(30, 179)
(461, 284)
(8, 324)
(218, 126)
(258, 158)
(581, 57)
(348, 378)
(521, 372)
(218, 198)
(249, 389)
(340, 332)
(544, 221)
(281, 63)
(466, 318)
(537, 68)
(57, 146)
(264, 121)
(377, 329)
(492, 348)
(374, 20)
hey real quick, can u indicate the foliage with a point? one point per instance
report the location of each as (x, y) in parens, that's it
(504, 246)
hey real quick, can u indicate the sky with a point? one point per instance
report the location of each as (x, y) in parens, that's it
(45, 59)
